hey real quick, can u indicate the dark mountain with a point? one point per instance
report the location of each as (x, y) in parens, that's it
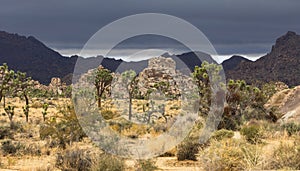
(281, 64)
(29, 55)
(233, 62)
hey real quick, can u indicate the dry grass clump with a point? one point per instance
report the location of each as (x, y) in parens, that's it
(107, 162)
(231, 154)
(286, 156)
(73, 160)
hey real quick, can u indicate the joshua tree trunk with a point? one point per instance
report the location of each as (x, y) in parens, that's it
(26, 99)
(4, 102)
(98, 97)
(130, 107)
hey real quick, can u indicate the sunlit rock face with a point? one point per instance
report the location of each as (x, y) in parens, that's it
(287, 103)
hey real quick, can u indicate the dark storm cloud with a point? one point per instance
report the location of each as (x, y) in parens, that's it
(233, 26)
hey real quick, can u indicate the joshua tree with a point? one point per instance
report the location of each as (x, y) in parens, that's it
(203, 76)
(6, 77)
(129, 78)
(22, 85)
(102, 80)
(26, 111)
(10, 111)
(44, 112)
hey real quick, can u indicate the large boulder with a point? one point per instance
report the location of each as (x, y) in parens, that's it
(287, 103)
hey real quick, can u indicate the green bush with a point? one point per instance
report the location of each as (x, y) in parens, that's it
(108, 114)
(291, 128)
(5, 132)
(252, 133)
(147, 165)
(221, 134)
(187, 150)
(108, 162)
(73, 160)
(63, 128)
(9, 147)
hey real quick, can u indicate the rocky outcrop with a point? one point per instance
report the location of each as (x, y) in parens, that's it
(160, 78)
(57, 86)
(287, 103)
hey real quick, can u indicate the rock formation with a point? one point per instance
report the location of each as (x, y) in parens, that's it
(287, 103)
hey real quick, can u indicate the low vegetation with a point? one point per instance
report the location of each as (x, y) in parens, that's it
(41, 126)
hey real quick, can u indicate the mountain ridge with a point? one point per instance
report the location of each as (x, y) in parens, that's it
(30, 55)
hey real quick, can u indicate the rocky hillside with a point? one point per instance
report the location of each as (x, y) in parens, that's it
(287, 103)
(29, 55)
(281, 64)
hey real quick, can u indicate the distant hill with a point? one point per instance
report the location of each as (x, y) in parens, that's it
(27, 54)
(281, 64)
(233, 62)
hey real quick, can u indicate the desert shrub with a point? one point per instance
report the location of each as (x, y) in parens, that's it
(187, 150)
(147, 165)
(291, 128)
(31, 149)
(170, 153)
(37, 104)
(286, 156)
(64, 128)
(120, 125)
(5, 132)
(107, 162)
(108, 114)
(270, 129)
(221, 134)
(231, 154)
(17, 127)
(252, 133)
(73, 160)
(9, 147)
(244, 103)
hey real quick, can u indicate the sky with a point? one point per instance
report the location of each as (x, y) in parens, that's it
(246, 27)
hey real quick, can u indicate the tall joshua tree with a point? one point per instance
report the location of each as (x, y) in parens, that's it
(129, 78)
(22, 86)
(6, 77)
(102, 80)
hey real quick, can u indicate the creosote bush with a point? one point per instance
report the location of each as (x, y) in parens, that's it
(147, 165)
(5, 132)
(187, 150)
(108, 114)
(252, 133)
(221, 134)
(9, 147)
(291, 128)
(107, 162)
